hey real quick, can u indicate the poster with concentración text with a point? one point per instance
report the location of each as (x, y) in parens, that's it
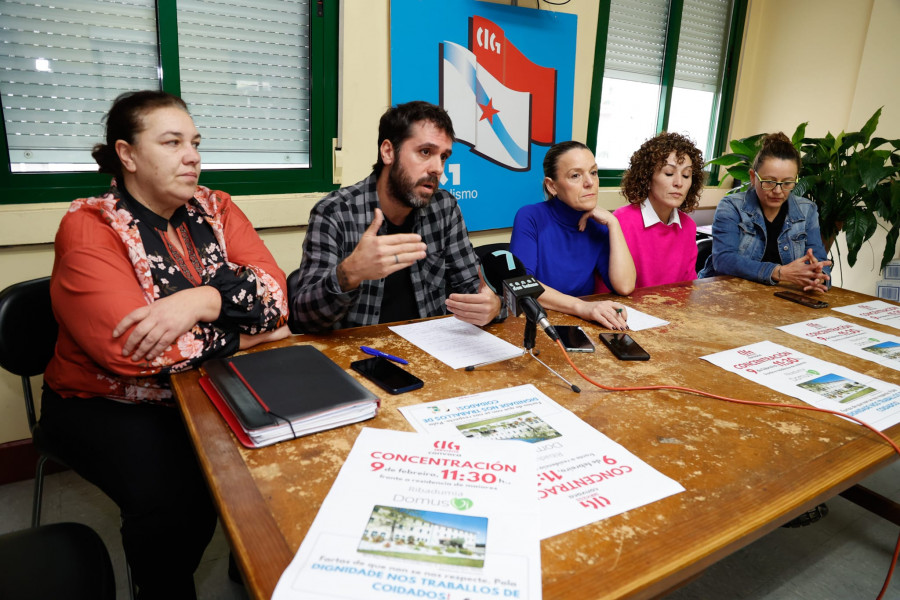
(417, 516)
(582, 475)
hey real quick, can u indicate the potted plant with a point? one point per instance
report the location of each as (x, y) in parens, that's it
(852, 178)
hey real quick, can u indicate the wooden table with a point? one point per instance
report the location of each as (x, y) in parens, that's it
(746, 470)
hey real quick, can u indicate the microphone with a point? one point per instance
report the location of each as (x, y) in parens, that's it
(505, 275)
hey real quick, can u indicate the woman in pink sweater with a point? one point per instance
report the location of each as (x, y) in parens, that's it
(662, 184)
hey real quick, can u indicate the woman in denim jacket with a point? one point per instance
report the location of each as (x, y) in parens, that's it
(767, 234)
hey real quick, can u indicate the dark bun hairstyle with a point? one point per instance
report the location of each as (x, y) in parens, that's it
(125, 120)
(551, 160)
(776, 145)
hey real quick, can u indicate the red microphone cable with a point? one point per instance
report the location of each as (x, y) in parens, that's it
(688, 390)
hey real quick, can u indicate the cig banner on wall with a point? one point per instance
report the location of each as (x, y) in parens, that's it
(506, 76)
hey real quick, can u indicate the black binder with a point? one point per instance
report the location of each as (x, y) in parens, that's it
(288, 392)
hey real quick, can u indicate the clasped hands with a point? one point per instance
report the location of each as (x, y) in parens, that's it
(806, 272)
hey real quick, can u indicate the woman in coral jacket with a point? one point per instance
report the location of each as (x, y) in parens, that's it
(153, 277)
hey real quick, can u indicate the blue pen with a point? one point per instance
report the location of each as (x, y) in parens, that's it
(375, 352)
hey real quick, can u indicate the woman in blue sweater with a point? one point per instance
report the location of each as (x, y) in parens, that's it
(568, 242)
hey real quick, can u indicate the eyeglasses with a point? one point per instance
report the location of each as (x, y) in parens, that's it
(769, 185)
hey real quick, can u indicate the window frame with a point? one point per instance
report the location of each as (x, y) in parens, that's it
(724, 100)
(38, 187)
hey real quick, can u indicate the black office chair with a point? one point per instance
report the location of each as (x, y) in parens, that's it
(480, 252)
(704, 251)
(484, 250)
(28, 333)
(27, 338)
(293, 281)
(62, 560)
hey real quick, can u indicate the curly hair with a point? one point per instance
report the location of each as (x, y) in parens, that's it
(651, 157)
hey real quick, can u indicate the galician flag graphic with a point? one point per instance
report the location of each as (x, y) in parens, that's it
(499, 100)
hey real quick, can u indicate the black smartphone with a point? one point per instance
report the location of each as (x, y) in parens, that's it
(387, 375)
(623, 347)
(801, 299)
(574, 338)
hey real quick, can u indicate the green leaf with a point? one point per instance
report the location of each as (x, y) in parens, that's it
(869, 128)
(799, 133)
(872, 170)
(741, 147)
(740, 173)
(895, 196)
(754, 142)
(727, 159)
(817, 151)
(890, 246)
(836, 144)
(882, 205)
(858, 228)
(850, 183)
(851, 140)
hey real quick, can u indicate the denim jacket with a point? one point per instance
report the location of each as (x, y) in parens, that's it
(739, 237)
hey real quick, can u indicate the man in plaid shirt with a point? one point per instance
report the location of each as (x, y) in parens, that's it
(393, 246)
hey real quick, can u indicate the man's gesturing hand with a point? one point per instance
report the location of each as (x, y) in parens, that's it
(377, 256)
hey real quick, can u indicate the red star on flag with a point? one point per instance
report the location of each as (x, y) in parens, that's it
(488, 111)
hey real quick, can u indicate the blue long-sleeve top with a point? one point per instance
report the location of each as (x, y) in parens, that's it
(546, 239)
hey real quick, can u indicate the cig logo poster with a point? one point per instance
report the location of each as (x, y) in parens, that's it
(506, 76)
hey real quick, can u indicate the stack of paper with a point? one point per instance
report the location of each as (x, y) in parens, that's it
(275, 395)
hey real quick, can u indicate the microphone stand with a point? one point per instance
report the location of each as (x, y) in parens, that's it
(530, 332)
(528, 343)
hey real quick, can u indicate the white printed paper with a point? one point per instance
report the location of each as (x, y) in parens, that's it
(876, 311)
(816, 382)
(456, 343)
(869, 344)
(638, 321)
(413, 516)
(582, 475)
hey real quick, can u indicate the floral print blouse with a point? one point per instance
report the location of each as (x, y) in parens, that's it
(112, 255)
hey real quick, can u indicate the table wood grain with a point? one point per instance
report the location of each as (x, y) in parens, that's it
(746, 470)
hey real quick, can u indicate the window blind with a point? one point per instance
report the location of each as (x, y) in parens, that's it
(636, 41)
(245, 75)
(60, 70)
(702, 44)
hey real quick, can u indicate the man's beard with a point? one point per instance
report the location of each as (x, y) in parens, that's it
(403, 188)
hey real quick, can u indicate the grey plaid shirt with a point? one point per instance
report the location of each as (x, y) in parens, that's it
(336, 224)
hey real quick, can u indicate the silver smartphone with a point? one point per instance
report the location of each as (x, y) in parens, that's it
(574, 338)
